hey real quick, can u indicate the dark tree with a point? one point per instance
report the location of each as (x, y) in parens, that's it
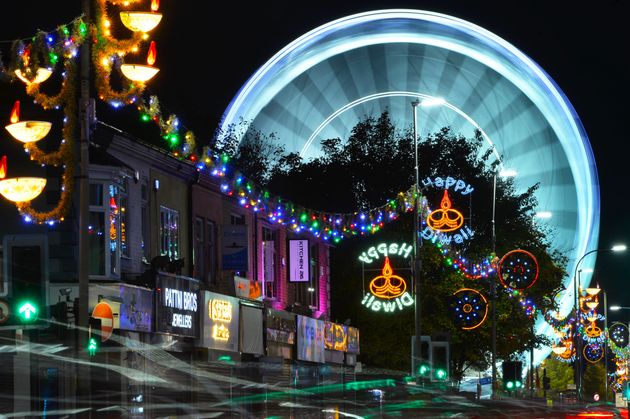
(374, 165)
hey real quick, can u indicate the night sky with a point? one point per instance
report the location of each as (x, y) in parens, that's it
(205, 54)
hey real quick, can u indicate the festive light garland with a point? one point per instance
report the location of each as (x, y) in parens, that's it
(46, 50)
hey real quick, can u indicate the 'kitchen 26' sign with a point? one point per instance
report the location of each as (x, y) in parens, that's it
(388, 291)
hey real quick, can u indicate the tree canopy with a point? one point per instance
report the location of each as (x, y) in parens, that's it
(373, 165)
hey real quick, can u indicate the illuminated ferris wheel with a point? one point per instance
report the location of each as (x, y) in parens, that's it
(321, 84)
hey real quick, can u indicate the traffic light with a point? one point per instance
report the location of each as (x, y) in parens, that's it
(512, 375)
(424, 369)
(92, 346)
(94, 327)
(25, 260)
(546, 381)
(440, 358)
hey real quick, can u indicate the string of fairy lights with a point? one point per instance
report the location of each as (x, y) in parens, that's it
(33, 62)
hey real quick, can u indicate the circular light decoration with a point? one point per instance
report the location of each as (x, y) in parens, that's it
(618, 333)
(388, 285)
(470, 308)
(593, 352)
(446, 218)
(518, 269)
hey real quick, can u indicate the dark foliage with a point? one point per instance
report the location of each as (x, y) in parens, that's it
(373, 165)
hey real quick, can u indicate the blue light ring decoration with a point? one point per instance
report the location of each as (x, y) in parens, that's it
(470, 308)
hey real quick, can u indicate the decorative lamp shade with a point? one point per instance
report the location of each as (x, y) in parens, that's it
(142, 73)
(559, 333)
(138, 73)
(41, 75)
(592, 318)
(558, 349)
(140, 21)
(592, 304)
(22, 189)
(593, 291)
(29, 131)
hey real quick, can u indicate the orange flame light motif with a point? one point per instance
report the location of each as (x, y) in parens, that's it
(388, 285)
(152, 54)
(3, 167)
(445, 219)
(155, 5)
(15, 113)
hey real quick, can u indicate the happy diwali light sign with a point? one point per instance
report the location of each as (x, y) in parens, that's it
(446, 224)
(387, 291)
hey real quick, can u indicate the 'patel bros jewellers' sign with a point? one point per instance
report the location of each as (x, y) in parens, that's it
(177, 305)
(387, 291)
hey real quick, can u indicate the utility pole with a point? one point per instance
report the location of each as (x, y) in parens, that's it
(84, 376)
(417, 263)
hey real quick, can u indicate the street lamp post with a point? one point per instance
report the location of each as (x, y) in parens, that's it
(578, 357)
(417, 266)
(502, 173)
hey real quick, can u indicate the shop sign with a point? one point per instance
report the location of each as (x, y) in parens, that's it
(336, 337)
(220, 322)
(353, 340)
(310, 342)
(177, 304)
(298, 261)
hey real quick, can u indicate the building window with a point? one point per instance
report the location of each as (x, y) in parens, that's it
(104, 230)
(268, 262)
(144, 219)
(169, 232)
(199, 248)
(237, 219)
(124, 218)
(211, 250)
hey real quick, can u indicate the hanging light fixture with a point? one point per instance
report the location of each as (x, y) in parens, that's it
(593, 291)
(558, 350)
(142, 21)
(141, 73)
(22, 189)
(41, 75)
(26, 131)
(559, 333)
(19, 189)
(592, 304)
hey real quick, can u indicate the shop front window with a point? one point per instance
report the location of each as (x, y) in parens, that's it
(104, 230)
(169, 232)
